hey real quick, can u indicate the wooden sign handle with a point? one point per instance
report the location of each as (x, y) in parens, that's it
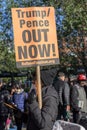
(39, 86)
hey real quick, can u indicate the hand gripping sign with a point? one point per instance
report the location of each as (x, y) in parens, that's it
(35, 36)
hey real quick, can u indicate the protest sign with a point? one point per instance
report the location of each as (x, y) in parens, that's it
(35, 36)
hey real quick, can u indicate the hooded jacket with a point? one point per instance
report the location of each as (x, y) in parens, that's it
(43, 119)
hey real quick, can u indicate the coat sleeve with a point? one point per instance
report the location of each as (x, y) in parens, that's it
(45, 117)
(66, 94)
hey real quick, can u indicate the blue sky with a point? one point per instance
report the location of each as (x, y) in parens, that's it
(6, 21)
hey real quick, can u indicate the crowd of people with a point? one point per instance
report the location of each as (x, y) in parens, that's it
(61, 100)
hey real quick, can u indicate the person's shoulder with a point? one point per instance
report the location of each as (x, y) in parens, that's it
(25, 94)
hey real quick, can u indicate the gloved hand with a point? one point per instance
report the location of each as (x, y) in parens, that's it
(32, 96)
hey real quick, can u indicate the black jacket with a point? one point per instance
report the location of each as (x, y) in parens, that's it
(43, 119)
(4, 97)
(63, 90)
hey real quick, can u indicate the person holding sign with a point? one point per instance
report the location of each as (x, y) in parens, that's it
(44, 118)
